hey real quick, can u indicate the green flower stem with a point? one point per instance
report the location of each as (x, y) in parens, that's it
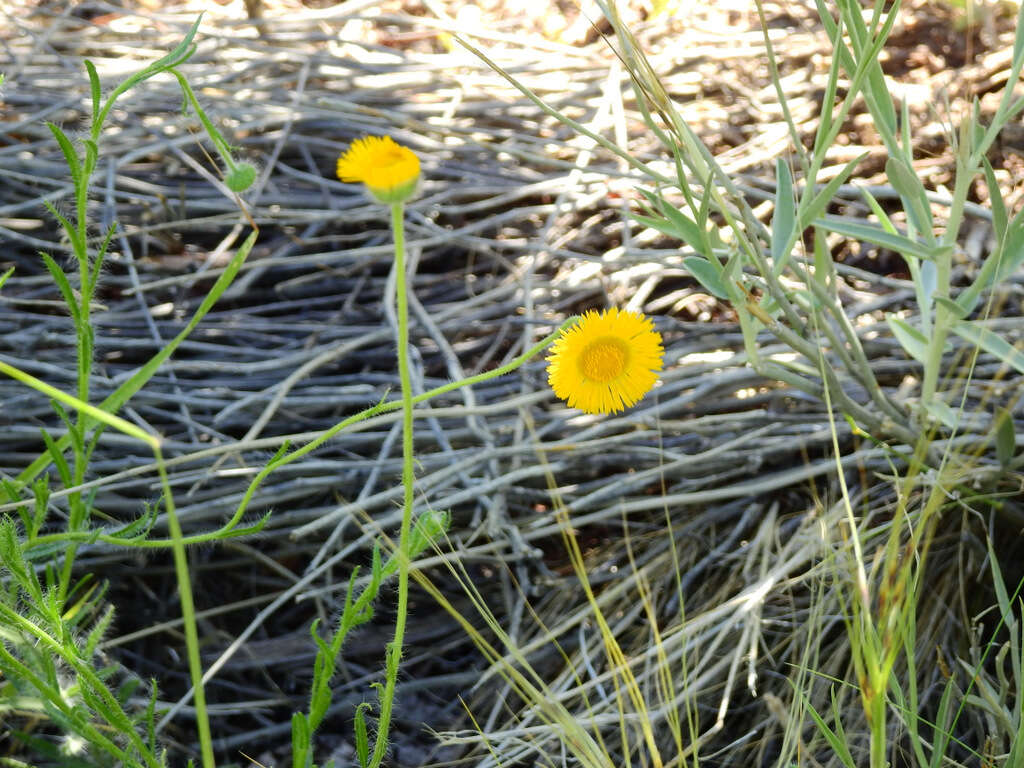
(228, 529)
(238, 177)
(188, 615)
(394, 650)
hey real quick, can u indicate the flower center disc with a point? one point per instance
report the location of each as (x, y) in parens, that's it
(604, 359)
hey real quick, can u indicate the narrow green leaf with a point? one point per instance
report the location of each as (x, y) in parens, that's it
(362, 739)
(876, 90)
(70, 156)
(707, 275)
(835, 34)
(97, 264)
(93, 414)
(942, 413)
(954, 309)
(58, 459)
(810, 212)
(908, 145)
(63, 285)
(684, 224)
(659, 225)
(912, 192)
(92, 153)
(705, 205)
(942, 731)
(878, 236)
(784, 218)
(1006, 436)
(911, 339)
(1000, 264)
(1012, 255)
(179, 55)
(428, 528)
(300, 739)
(674, 224)
(837, 743)
(76, 243)
(98, 631)
(94, 87)
(876, 208)
(991, 342)
(995, 196)
(823, 264)
(1018, 43)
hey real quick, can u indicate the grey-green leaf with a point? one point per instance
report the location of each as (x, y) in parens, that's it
(878, 236)
(706, 274)
(1006, 437)
(784, 218)
(910, 338)
(991, 342)
(906, 182)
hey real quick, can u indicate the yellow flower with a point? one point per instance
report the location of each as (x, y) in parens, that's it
(389, 170)
(606, 362)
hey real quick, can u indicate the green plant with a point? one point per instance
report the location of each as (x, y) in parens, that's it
(781, 280)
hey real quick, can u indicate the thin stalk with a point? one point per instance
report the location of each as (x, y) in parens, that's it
(394, 651)
(188, 615)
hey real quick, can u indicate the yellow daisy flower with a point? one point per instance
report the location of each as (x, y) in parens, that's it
(389, 170)
(606, 362)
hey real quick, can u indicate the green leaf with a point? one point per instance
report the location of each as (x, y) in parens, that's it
(70, 156)
(98, 631)
(995, 197)
(941, 412)
(954, 309)
(1006, 436)
(991, 342)
(784, 218)
(179, 55)
(62, 285)
(58, 459)
(94, 86)
(77, 245)
(910, 338)
(138, 528)
(912, 192)
(877, 209)
(823, 265)
(872, 234)
(810, 212)
(300, 739)
(362, 739)
(1000, 264)
(674, 224)
(97, 264)
(428, 528)
(92, 153)
(5, 275)
(836, 740)
(1012, 252)
(1018, 43)
(707, 275)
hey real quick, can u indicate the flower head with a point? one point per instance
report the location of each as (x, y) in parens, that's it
(389, 170)
(606, 362)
